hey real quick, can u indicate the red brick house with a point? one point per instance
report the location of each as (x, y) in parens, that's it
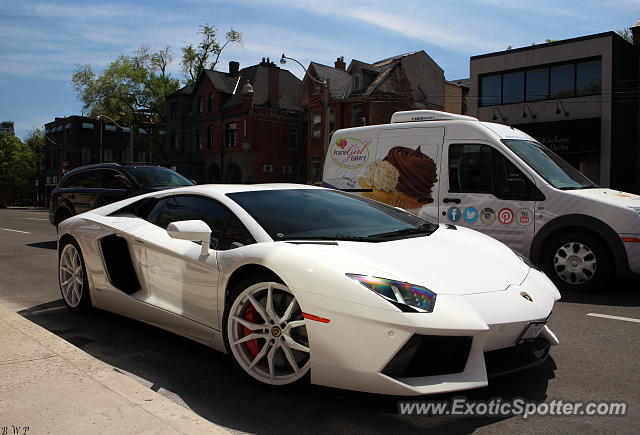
(365, 94)
(243, 126)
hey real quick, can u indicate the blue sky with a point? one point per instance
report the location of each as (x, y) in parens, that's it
(42, 41)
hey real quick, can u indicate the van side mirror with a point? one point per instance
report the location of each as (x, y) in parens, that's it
(195, 230)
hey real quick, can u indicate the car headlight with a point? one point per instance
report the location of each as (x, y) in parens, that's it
(525, 260)
(407, 297)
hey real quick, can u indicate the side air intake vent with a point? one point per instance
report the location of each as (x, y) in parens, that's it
(117, 260)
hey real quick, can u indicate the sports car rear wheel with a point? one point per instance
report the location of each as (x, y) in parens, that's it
(266, 334)
(72, 274)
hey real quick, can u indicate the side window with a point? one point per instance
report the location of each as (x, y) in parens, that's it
(112, 179)
(214, 214)
(235, 235)
(87, 180)
(476, 168)
(70, 182)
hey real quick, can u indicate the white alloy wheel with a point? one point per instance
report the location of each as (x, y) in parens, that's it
(71, 275)
(267, 334)
(575, 263)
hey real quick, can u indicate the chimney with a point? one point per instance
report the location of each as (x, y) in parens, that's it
(340, 63)
(635, 32)
(273, 85)
(234, 67)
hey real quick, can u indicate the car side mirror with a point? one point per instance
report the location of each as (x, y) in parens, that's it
(195, 231)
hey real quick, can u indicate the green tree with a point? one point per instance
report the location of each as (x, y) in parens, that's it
(196, 59)
(16, 165)
(36, 143)
(129, 86)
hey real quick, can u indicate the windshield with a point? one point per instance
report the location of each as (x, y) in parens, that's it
(299, 214)
(157, 176)
(549, 165)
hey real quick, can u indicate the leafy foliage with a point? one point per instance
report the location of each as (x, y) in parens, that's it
(196, 59)
(626, 34)
(16, 163)
(129, 85)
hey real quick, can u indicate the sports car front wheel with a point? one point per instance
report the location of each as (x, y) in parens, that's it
(72, 276)
(266, 333)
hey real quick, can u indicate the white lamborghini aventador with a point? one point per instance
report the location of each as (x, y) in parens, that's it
(303, 283)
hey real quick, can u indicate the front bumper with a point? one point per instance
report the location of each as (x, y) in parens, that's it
(458, 346)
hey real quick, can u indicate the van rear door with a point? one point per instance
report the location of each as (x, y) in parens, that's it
(482, 189)
(407, 173)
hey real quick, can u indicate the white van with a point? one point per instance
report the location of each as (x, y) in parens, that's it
(498, 180)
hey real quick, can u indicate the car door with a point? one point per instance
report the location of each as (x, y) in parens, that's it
(174, 274)
(86, 187)
(415, 155)
(482, 189)
(115, 186)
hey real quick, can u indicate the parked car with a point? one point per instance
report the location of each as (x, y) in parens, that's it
(3, 204)
(292, 280)
(88, 187)
(497, 180)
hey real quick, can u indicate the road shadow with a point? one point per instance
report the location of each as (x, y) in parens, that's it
(208, 383)
(52, 244)
(620, 292)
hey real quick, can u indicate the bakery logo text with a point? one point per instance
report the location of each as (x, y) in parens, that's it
(350, 153)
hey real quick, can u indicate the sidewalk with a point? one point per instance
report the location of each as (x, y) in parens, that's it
(50, 386)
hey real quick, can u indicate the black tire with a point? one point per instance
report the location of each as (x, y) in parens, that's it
(570, 257)
(77, 304)
(243, 285)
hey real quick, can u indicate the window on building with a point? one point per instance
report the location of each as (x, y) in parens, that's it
(174, 140)
(162, 132)
(287, 169)
(85, 157)
(210, 103)
(293, 138)
(357, 117)
(315, 169)
(513, 87)
(356, 82)
(209, 137)
(142, 131)
(332, 120)
(316, 124)
(107, 155)
(267, 168)
(198, 139)
(200, 104)
(230, 135)
(174, 110)
(67, 126)
(85, 125)
(562, 81)
(126, 129)
(491, 90)
(538, 84)
(142, 156)
(109, 127)
(589, 77)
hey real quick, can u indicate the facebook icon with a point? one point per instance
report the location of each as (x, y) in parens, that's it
(454, 214)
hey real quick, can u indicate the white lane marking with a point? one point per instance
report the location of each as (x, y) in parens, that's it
(606, 316)
(15, 231)
(38, 219)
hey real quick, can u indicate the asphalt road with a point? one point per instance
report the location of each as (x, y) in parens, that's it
(598, 359)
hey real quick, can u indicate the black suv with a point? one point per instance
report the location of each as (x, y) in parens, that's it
(93, 186)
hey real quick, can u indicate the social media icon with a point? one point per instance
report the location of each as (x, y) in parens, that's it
(470, 215)
(524, 217)
(454, 214)
(487, 216)
(505, 216)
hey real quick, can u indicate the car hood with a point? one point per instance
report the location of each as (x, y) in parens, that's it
(460, 261)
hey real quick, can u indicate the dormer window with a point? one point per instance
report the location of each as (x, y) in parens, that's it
(200, 104)
(211, 98)
(356, 82)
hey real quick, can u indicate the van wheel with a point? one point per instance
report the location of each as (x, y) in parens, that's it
(577, 261)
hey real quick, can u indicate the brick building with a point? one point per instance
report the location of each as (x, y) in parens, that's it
(243, 126)
(79, 140)
(365, 94)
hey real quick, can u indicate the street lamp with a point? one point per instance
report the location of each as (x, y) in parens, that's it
(325, 100)
(121, 127)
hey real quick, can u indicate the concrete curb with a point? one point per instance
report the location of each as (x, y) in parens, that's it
(51, 386)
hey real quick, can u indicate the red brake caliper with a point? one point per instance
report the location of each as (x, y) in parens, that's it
(252, 316)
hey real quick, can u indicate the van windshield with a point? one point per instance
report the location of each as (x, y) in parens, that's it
(549, 165)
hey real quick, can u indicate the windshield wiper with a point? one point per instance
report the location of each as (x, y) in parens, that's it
(422, 229)
(336, 237)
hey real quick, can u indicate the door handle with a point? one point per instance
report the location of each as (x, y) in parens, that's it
(453, 200)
